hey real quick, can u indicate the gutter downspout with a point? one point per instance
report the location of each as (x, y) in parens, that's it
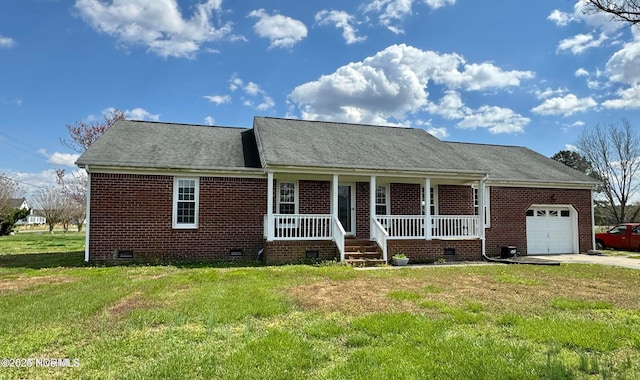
(87, 216)
(593, 221)
(481, 214)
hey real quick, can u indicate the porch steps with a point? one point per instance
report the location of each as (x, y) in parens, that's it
(362, 253)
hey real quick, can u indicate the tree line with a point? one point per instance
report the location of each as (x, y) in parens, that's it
(64, 203)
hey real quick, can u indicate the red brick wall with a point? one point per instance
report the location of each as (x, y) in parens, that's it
(405, 199)
(134, 212)
(455, 200)
(278, 252)
(315, 197)
(362, 210)
(508, 215)
(425, 251)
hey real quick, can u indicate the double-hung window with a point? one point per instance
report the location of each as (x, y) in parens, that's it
(185, 202)
(287, 198)
(476, 203)
(382, 205)
(433, 200)
(287, 204)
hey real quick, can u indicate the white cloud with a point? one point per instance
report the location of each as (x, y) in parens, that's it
(209, 120)
(496, 119)
(283, 31)
(382, 89)
(342, 20)
(392, 12)
(629, 98)
(567, 105)
(440, 133)
(598, 20)
(485, 75)
(159, 24)
(57, 158)
(581, 42)
(624, 65)
(218, 99)
(140, 114)
(266, 104)
(450, 106)
(7, 42)
(560, 18)
(549, 92)
(252, 90)
(571, 148)
(581, 72)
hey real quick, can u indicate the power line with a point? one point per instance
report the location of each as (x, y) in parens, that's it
(22, 182)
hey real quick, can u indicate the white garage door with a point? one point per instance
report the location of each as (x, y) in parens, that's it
(550, 230)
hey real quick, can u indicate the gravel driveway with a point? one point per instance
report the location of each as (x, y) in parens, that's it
(620, 261)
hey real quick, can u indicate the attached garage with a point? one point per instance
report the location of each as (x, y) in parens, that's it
(552, 230)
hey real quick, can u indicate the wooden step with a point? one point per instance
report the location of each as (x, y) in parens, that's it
(365, 262)
(363, 255)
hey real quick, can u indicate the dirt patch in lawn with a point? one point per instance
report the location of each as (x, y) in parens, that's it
(23, 282)
(531, 296)
(131, 302)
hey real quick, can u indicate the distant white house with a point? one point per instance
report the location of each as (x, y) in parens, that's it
(34, 217)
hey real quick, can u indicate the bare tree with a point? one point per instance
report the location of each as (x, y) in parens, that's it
(52, 202)
(9, 189)
(614, 153)
(83, 135)
(620, 10)
(74, 186)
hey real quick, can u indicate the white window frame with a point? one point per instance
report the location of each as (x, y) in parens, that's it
(386, 203)
(290, 223)
(433, 193)
(296, 195)
(196, 200)
(487, 208)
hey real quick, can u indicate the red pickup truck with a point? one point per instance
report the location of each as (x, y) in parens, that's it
(623, 236)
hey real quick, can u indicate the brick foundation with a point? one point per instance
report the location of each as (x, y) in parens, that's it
(278, 252)
(425, 251)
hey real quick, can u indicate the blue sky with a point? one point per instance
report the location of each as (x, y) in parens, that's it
(528, 73)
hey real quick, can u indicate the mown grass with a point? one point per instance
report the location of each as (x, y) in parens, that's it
(332, 322)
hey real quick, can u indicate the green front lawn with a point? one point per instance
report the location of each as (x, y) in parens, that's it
(319, 322)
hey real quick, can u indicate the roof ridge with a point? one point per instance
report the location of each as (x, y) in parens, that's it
(337, 122)
(485, 144)
(184, 124)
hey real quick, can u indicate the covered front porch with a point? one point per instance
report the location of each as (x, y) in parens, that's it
(381, 208)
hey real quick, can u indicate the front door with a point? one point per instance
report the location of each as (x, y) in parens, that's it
(347, 208)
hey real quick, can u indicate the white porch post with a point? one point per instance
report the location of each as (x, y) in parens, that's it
(427, 208)
(372, 201)
(481, 212)
(270, 221)
(334, 196)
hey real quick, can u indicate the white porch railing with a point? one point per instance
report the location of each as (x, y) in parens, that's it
(302, 227)
(442, 226)
(402, 226)
(456, 227)
(380, 235)
(382, 227)
(338, 236)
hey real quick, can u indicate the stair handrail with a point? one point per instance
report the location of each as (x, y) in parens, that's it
(380, 235)
(338, 236)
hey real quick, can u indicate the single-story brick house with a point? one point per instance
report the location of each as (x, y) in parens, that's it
(292, 189)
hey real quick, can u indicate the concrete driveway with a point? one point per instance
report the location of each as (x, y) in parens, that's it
(619, 261)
